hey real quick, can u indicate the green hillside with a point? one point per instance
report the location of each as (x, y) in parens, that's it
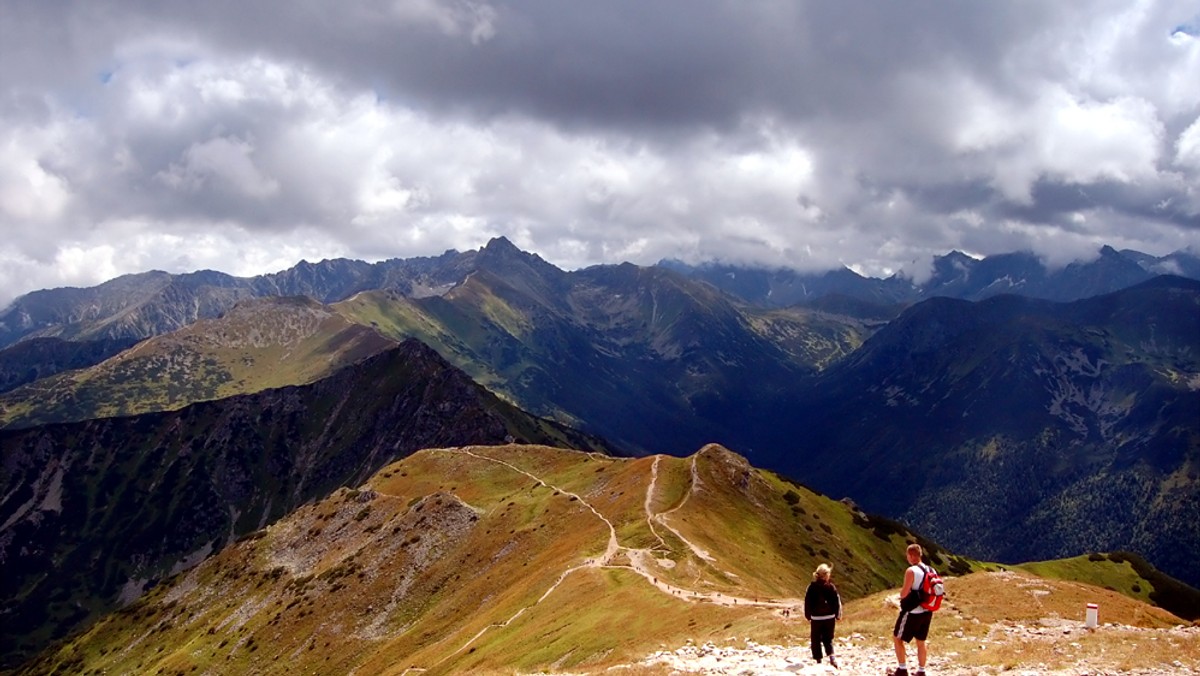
(259, 345)
(641, 356)
(479, 558)
(506, 559)
(96, 512)
(1127, 574)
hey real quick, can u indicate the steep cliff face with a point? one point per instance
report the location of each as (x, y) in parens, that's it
(93, 513)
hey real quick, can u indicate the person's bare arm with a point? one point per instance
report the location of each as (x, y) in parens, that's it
(908, 582)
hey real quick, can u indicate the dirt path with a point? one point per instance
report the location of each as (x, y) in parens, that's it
(662, 517)
(636, 556)
(640, 565)
(613, 547)
(650, 516)
(856, 654)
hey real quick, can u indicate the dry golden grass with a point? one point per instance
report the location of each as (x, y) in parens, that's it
(1012, 619)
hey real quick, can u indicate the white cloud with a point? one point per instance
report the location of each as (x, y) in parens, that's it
(223, 160)
(871, 136)
(1085, 141)
(1187, 147)
(31, 193)
(1062, 137)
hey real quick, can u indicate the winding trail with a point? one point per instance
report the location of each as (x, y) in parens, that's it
(661, 518)
(638, 557)
(651, 517)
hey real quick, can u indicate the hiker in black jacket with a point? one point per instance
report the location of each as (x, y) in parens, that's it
(823, 608)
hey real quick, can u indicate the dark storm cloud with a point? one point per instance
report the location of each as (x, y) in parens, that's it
(613, 63)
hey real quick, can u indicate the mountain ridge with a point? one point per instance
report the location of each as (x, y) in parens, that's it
(94, 511)
(259, 344)
(528, 558)
(140, 305)
(954, 275)
(616, 350)
(1104, 420)
(1008, 427)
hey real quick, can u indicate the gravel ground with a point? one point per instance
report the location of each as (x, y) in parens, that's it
(858, 655)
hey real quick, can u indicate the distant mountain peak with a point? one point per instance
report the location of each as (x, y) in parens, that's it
(501, 244)
(955, 274)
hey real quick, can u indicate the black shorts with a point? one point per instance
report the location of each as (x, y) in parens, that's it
(910, 626)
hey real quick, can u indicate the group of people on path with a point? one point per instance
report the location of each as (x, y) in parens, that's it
(823, 608)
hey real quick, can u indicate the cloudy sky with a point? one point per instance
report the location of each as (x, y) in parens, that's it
(245, 136)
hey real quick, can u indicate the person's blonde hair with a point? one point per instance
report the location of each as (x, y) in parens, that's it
(823, 572)
(915, 548)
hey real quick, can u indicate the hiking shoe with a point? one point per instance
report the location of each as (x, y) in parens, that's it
(833, 662)
(898, 672)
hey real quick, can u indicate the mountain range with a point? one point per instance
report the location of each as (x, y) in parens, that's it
(151, 421)
(141, 305)
(954, 275)
(1015, 428)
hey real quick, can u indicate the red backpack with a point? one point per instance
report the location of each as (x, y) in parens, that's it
(932, 590)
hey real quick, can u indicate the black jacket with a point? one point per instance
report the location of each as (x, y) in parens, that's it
(822, 601)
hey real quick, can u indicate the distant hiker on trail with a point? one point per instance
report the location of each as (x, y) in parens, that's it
(823, 608)
(913, 622)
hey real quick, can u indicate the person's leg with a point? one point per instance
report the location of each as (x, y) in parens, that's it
(922, 633)
(830, 628)
(900, 656)
(814, 635)
(898, 638)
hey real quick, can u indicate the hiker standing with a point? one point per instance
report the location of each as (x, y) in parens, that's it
(913, 622)
(823, 608)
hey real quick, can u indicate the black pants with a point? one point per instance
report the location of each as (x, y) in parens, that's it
(822, 635)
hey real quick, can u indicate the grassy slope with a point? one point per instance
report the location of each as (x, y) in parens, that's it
(1126, 574)
(399, 317)
(810, 336)
(448, 561)
(259, 345)
(1120, 577)
(446, 545)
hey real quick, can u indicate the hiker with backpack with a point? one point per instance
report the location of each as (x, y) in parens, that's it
(920, 595)
(823, 608)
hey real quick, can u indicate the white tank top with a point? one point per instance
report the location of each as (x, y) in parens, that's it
(918, 578)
